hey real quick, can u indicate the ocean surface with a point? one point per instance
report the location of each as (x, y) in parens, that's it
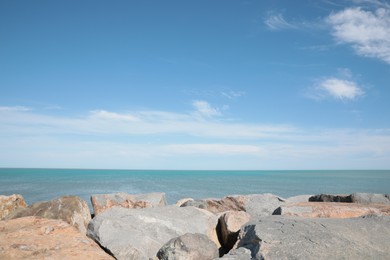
(46, 184)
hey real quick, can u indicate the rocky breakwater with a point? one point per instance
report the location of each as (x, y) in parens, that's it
(236, 227)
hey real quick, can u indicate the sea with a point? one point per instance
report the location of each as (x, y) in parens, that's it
(45, 184)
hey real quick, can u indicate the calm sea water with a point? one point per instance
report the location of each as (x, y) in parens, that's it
(45, 184)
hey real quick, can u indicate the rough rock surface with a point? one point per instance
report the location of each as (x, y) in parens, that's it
(216, 205)
(369, 198)
(180, 202)
(258, 205)
(9, 204)
(71, 209)
(102, 202)
(188, 247)
(140, 233)
(331, 198)
(241, 253)
(278, 237)
(298, 199)
(40, 238)
(255, 204)
(229, 224)
(332, 210)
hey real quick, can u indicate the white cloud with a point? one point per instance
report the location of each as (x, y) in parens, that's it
(225, 149)
(106, 115)
(277, 22)
(368, 32)
(336, 88)
(233, 94)
(14, 109)
(203, 108)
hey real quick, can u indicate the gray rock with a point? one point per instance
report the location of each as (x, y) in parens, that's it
(216, 206)
(241, 253)
(370, 198)
(71, 209)
(8, 204)
(298, 199)
(277, 237)
(188, 247)
(102, 202)
(230, 223)
(258, 205)
(140, 233)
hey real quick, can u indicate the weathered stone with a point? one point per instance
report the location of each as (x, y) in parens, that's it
(102, 202)
(331, 198)
(241, 253)
(258, 205)
(332, 210)
(370, 198)
(188, 247)
(298, 199)
(41, 238)
(180, 202)
(71, 209)
(140, 233)
(278, 237)
(9, 204)
(215, 205)
(229, 225)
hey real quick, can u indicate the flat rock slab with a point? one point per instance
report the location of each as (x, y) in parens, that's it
(8, 204)
(139, 233)
(71, 209)
(279, 237)
(102, 202)
(332, 210)
(40, 238)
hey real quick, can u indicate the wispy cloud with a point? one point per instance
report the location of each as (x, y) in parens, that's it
(106, 115)
(14, 109)
(277, 22)
(339, 89)
(367, 31)
(232, 94)
(203, 108)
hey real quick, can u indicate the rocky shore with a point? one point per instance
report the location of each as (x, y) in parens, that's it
(143, 226)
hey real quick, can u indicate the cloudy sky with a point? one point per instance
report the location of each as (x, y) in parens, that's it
(195, 84)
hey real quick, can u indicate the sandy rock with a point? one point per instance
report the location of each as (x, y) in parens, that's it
(216, 205)
(332, 210)
(278, 237)
(9, 204)
(229, 224)
(40, 238)
(139, 234)
(180, 202)
(71, 209)
(102, 202)
(188, 247)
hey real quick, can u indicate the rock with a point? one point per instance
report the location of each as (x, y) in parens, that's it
(9, 204)
(298, 199)
(140, 233)
(40, 238)
(255, 204)
(370, 198)
(241, 253)
(332, 210)
(258, 205)
(229, 225)
(215, 205)
(278, 237)
(331, 198)
(102, 202)
(71, 209)
(188, 247)
(179, 203)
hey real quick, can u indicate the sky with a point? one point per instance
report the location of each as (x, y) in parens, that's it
(228, 85)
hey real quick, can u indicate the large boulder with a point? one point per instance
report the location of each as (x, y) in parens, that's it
(140, 233)
(255, 204)
(370, 198)
(241, 253)
(216, 205)
(258, 205)
(278, 237)
(102, 202)
(188, 247)
(71, 209)
(298, 199)
(332, 210)
(9, 204)
(40, 238)
(229, 224)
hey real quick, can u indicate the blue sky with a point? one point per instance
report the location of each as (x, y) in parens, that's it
(195, 84)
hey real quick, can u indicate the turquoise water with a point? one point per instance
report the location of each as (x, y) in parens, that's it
(45, 184)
